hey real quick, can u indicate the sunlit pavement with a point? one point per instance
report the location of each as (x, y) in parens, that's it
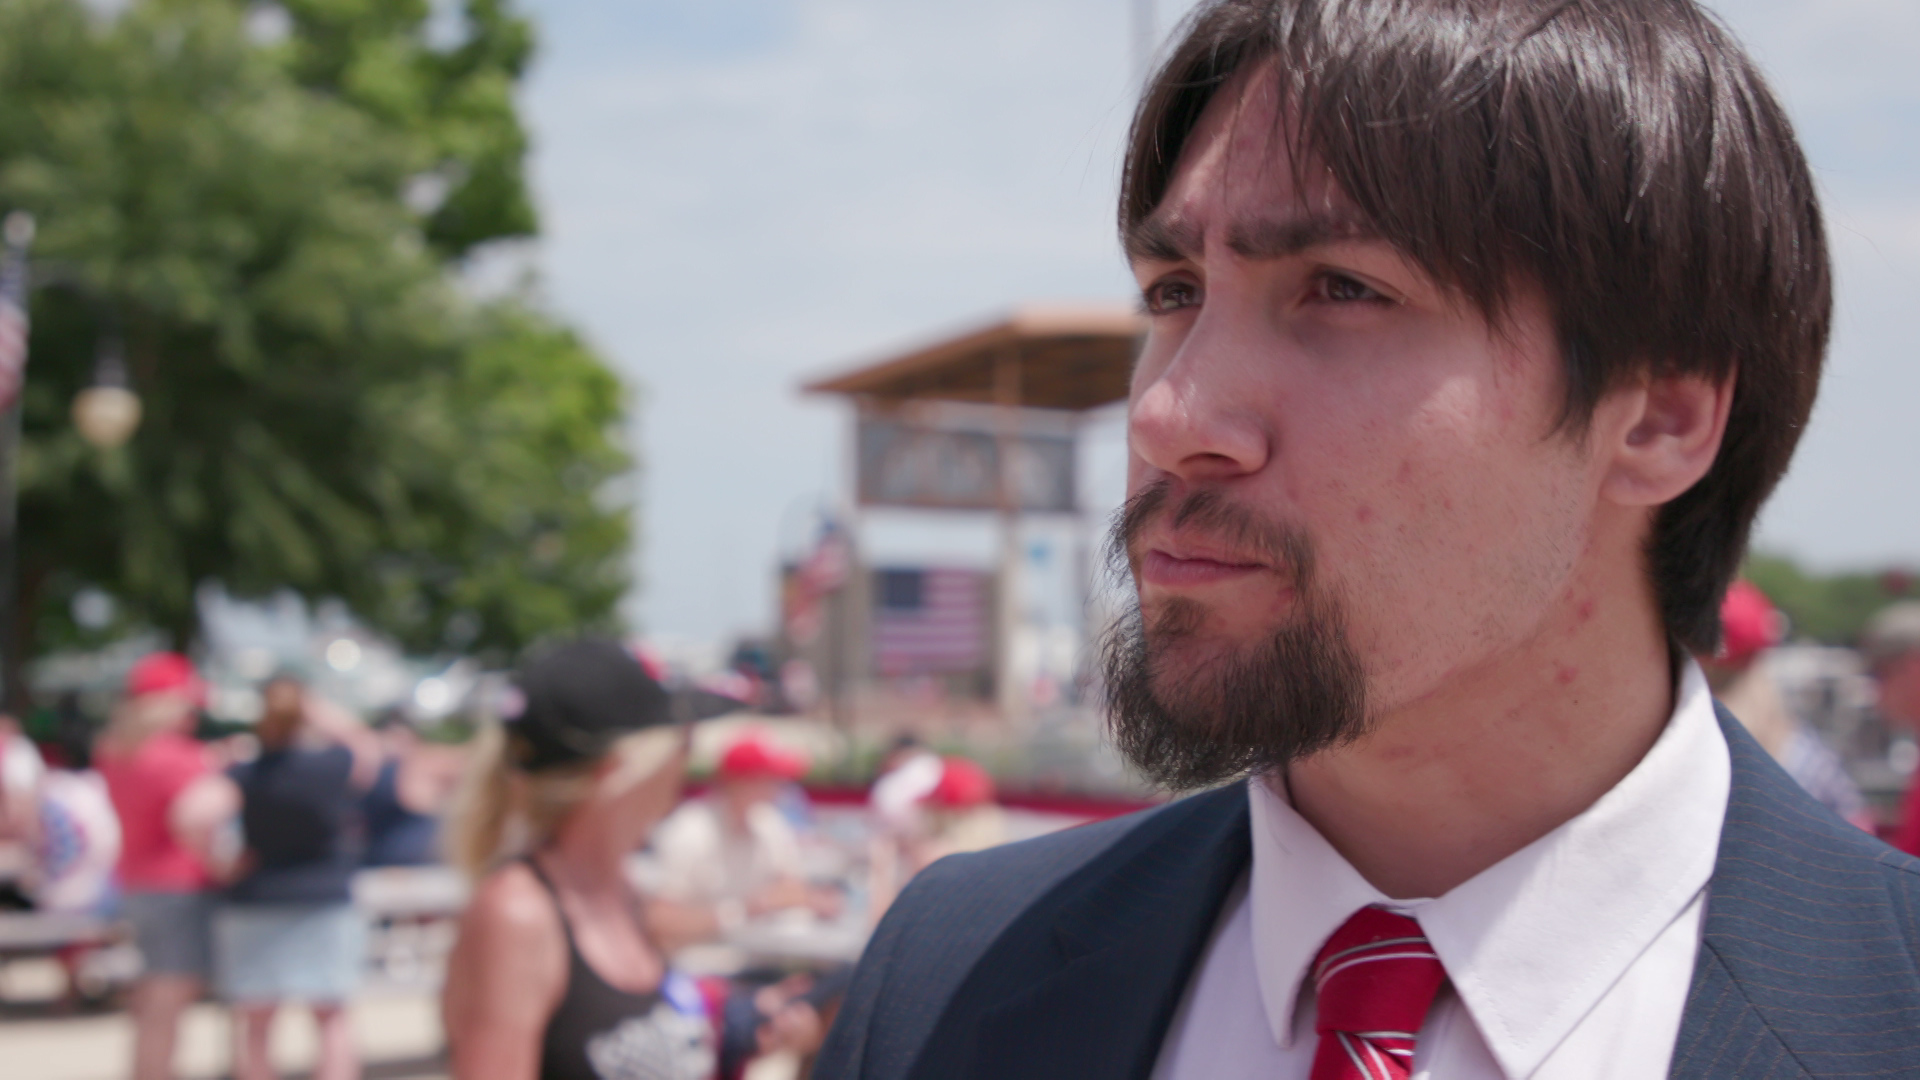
(398, 1033)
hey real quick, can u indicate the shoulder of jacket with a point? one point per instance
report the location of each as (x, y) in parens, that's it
(1003, 880)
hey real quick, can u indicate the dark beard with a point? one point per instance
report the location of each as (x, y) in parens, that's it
(1260, 708)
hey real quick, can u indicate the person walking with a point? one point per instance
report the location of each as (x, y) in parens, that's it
(170, 800)
(287, 929)
(555, 973)
(1477, 334)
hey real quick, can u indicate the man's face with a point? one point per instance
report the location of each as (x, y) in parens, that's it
(282, 697)
(1309, 398)
(743, 793)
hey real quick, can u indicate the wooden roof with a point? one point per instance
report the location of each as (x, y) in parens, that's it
(1066, 357)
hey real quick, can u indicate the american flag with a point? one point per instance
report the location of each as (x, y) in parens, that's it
(929, 621)
(13, 323)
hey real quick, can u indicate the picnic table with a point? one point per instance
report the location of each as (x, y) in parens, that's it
(35, 933)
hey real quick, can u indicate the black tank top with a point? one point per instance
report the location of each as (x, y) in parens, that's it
(600, 1032)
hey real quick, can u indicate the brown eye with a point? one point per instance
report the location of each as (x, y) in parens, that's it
(1169, 296)
(1343, 289)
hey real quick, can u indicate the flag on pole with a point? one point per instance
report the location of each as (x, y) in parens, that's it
(806, 589)
(13, 309)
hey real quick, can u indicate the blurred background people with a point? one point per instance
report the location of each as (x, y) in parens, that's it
(908, 772)
(75, 841)
(961, 813)
(401, 810)
(956, 813)
(557, 973)
(21, 768)
(1891, 647)
(170, 800)
(61, 818)
(288, 930)
(1740, 679)
(731, 854)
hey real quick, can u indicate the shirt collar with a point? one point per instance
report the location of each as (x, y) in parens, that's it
(1533, 942)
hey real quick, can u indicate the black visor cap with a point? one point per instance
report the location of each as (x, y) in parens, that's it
(582, 696)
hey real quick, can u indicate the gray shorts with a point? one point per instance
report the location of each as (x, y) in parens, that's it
(172, 930)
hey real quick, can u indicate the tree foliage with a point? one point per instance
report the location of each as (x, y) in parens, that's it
(1830, 608)
(457, 101)
(324, 409)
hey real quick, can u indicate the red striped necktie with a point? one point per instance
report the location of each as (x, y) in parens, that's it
(1374, 979)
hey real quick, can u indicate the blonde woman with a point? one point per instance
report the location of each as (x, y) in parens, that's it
(556, 973)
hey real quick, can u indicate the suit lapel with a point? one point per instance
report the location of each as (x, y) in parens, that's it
(1804, 967)
(1124, 941)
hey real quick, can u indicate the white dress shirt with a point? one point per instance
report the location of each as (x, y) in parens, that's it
(1570, 959)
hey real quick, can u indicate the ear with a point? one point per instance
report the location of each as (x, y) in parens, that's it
(1666, 432)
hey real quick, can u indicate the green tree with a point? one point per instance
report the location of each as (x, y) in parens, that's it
(324, 409)
(457, 101)
(1831, 608)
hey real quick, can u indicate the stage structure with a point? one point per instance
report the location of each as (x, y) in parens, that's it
(988, 421)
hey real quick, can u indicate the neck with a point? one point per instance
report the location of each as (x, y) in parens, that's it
(590, 850)
(1450, 784)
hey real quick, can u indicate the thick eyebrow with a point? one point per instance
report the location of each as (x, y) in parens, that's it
(1160, 239)
(1284, 237)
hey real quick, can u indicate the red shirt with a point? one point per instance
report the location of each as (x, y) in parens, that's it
(1906, 835)
(143, 786)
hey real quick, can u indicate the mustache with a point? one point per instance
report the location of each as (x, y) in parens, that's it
(1208, 510)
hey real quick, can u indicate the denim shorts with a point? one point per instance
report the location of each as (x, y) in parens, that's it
(288, 952)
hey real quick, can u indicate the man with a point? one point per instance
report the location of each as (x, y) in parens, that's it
(731, 855)
(1891, 644)
(1480, 331)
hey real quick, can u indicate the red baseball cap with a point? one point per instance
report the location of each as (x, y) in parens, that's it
(752, 757)
(1748, 623)
(166, 673)
(963, 785)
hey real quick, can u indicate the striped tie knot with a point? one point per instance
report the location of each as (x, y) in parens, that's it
(1374, 980)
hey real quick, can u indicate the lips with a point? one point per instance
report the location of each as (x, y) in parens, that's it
(1177, 568)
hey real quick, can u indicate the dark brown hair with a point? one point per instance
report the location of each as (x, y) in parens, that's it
(1624, 155)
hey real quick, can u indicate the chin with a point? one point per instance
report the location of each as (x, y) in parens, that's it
(1199, 634)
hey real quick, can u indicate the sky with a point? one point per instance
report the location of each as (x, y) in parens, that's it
(738, 195)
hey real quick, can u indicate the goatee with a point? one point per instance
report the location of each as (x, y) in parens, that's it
(1271, 702)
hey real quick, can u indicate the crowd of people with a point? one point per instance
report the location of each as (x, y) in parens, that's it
(231, 862)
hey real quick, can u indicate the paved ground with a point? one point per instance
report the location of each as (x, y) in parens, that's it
(399, 1035)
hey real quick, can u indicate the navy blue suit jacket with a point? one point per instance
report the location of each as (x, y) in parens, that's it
(1066, 956)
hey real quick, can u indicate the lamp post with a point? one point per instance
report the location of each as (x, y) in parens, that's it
(106, 414)
(18, 234)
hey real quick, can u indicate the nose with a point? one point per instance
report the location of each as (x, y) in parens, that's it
(1192, 415)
